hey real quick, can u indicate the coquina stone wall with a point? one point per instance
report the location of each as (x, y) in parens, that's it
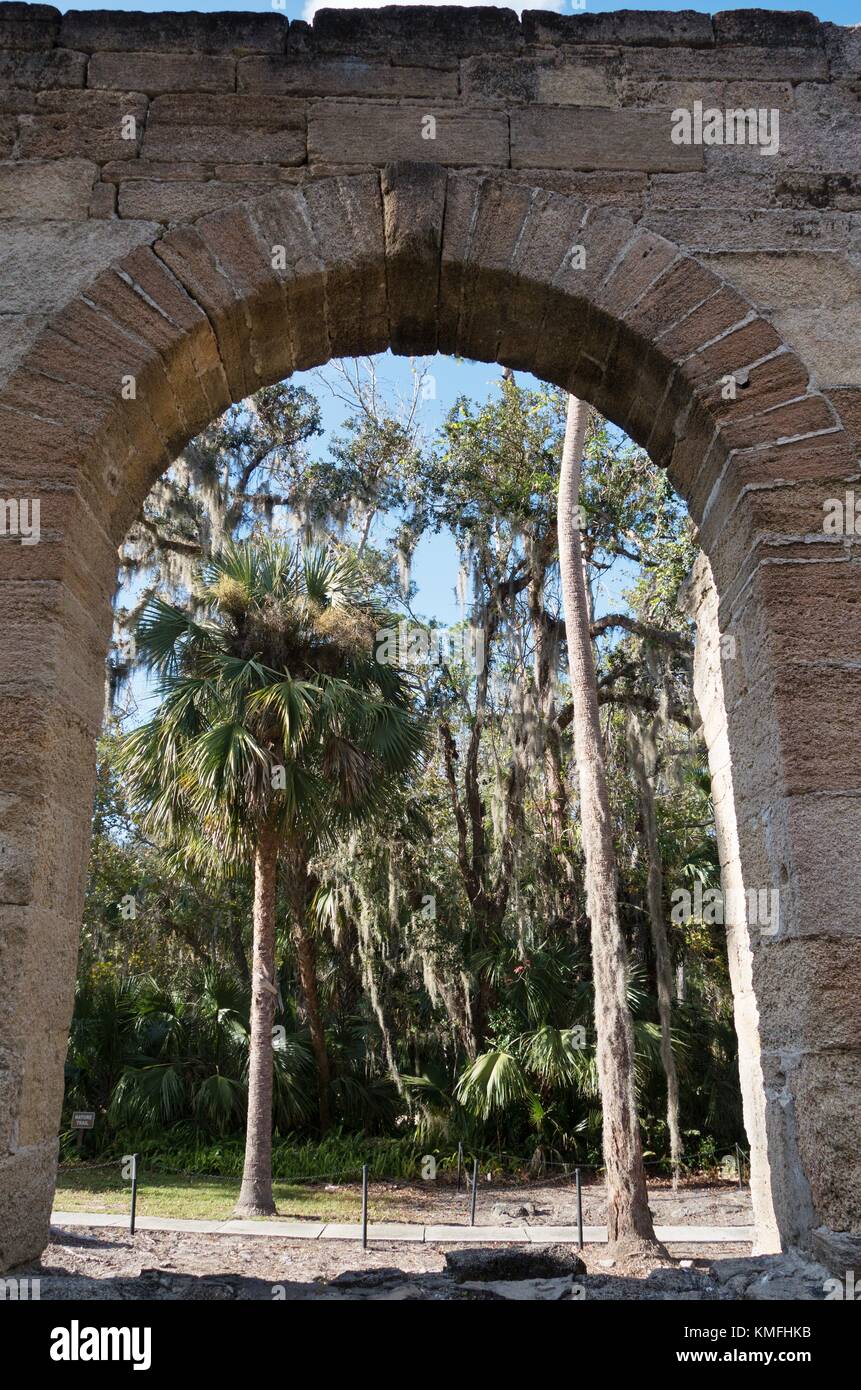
(205, 203)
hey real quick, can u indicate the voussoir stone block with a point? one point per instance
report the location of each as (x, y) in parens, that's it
(414, 198)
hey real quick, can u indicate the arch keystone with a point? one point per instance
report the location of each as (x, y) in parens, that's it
(413, 211)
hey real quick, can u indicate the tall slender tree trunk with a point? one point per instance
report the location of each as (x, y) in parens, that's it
(660, 943)
(306, 959)
(299, 894)
(255, 1195)
(628, 1218)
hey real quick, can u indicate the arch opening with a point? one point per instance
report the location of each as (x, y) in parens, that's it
(422, 261)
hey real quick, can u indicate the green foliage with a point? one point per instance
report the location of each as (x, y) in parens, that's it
(448, 912)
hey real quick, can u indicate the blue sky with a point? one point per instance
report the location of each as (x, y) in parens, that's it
(838, 11)
(435, 563)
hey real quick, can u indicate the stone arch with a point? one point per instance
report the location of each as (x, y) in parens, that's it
(135, 364)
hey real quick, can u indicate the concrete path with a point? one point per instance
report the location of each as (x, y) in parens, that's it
(403, 1231)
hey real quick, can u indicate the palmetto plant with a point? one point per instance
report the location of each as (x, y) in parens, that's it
(277, 727)
(191, 1060)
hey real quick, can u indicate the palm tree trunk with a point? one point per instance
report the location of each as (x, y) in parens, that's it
(628, 1218)
(660, 943)
(255, 1195)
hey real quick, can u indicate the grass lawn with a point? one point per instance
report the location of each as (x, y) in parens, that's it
(163, 1194)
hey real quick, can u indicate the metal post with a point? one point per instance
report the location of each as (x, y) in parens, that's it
(738, 1166)
(134, 1194)
(459, 1164)
(364, 1206)
(579, 1208)
(474, 1192)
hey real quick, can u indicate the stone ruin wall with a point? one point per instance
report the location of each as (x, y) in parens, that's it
(116, 128)
(222, 106)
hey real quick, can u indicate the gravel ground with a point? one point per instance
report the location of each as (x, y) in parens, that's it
(104, 1264)
(92, 1263)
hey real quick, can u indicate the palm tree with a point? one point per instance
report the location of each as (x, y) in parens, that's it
(277, 727)
(628, 1218)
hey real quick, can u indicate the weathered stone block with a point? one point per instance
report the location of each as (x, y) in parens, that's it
(108, 30)
(347, 217)
(155, 73)
(621, 189)
(28, 26)
(548, 137)
(54, 189)
(42, 71)
(796, 189)
(717, 192)
(287, 242)
(824, 458)
(827, 1097)
(413, 33)
(754, 64)
(643, 261)
(91, 125)
(160, 171)
(847, 403)
(732, 353)
(343, 77)
(743, 529)
(387, 134)
(755, 230)
(17, 332)
(231, 129)
(178, 201)
(575, 81)
(413, 208)
(683, 286)
(68, 256)
(103, 201)
(811, 298)
(151, 306)
(191, 259)
(723, 311)
(843, 46)
(767, 28)
(671, 27)
(27, 1179)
